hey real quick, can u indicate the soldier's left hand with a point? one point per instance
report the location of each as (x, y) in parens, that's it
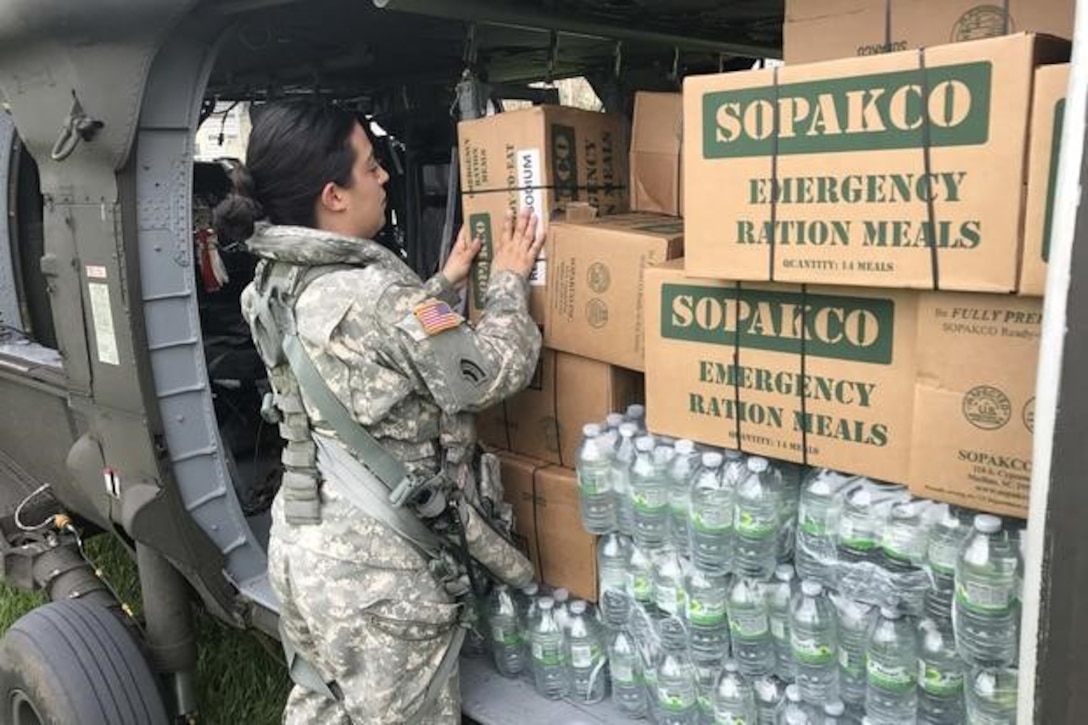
(461, 255)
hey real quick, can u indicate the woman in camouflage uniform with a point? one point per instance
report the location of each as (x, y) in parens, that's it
(358, 602)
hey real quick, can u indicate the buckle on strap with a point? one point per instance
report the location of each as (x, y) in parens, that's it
(409, 487)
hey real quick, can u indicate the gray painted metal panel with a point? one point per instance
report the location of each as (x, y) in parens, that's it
(168, 291)
(10, 314)
(491, 699)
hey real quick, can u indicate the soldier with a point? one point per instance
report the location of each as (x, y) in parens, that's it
(368, 606)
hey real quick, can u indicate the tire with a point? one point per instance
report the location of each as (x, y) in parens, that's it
(71, 662)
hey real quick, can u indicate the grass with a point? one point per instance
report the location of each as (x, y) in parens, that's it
(240, 675)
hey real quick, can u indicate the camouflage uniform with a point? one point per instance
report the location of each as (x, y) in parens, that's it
(357, 601)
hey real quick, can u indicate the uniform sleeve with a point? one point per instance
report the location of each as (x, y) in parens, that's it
(464, 369)
(441, 288)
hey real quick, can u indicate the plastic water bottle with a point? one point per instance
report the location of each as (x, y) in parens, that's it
(613, 559)
(987, 608)
(636, 414)
(779, 593)
(814, 643)
(549, 661)
(816, 520)
(796, 711)
(835, 713)
(681, 469)
(708, 628)
(585, 657)
(561, 609)
(792, 476)
(905, 537)
(946, 538)
(858, 535)
(611, 428)
(749, 628)
(756, 520)
(855, 620)
(625, 666)
(528, 602)
(940, 676)
(502, 620)
(770, 692)
(622, 461)
(650, 494)
(676, 682)
(640, 578)
(670, 572)
(706, 676)
(711, 516)
(891, 669)
(734, 702)
(991, 696)
(594, 467)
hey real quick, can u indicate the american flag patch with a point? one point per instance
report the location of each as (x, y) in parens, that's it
(436, 316)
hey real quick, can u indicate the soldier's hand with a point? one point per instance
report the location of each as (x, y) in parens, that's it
(462, 253)
(520, 245)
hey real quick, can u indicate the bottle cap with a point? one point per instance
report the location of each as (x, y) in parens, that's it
(987, 524)
(628, 430)
(732, 454)
(614, 420)
(644, 444)
(578, 606)
(712, 459)
(685, 447)
(793, 693)
(531, 589)
(784, 572)
(835, 708)
(546, 603)
(591, 430)
(731, 666)
(890, 613)
(811, 588)
(757, 464)
(636, 411)
(560, 595)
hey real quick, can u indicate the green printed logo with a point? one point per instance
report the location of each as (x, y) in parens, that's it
(891, 678)
(754, 526)
(1052, 175)
(479, 225)
(811, 652)
(707, 613)
(835, 327)
(872, 112)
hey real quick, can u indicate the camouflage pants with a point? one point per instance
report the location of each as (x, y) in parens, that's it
(362, 608)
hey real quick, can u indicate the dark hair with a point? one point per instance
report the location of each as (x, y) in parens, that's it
(295, 148)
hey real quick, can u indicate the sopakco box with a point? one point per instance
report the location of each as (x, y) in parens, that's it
(545, 420)
(595, 283)
(820, 173)
(656, 130)
(1047, 114)
(974, 404)
(724, 363)
(826, 29)
(548, 523)
(541, 158)
(927, 388)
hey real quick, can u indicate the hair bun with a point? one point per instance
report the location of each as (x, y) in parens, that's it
(234, 217)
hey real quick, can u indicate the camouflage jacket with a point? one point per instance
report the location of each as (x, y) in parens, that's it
(407, 367)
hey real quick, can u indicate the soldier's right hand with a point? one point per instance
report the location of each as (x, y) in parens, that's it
(520, 245)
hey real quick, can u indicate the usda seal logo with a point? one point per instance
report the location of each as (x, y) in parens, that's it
(986, 407)
(982, 21)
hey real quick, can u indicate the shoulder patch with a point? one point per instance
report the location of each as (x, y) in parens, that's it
(436, 316)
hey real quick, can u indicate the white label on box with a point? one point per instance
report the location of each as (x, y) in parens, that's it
(103, 323)
(530, 173)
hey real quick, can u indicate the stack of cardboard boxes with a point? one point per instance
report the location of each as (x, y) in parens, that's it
(855, 282)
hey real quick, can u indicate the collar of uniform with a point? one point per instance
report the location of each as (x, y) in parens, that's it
(303, 245)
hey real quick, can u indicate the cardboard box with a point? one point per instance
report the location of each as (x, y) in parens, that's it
(595, 283)
(545, 420)
(724, 364)
(1047, 115)
(656, 131)
(540, 157)
(826, 29)
(548, 522)
(974, 404)
(853, 203)
(930, 389)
